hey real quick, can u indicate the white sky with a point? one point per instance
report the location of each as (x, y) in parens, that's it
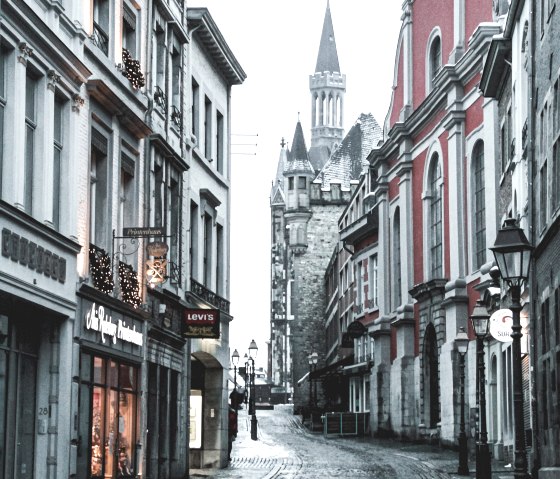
(276, 43)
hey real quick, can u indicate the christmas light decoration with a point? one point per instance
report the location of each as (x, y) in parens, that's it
(101, 270)
(132, 70)
(130, 288)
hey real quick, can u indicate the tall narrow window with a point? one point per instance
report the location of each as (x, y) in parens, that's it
(219, 141)
(57, 158)
(544, 196)
(372, 276)
(98, 190)
(220, 260)
(176, 77)
(193, 248)
(435, 59)
(127, 209)
(195, 108)
(129, 30)
(207, 128)
(101, 25)
(160, 57)
(207, 256)
(30, 127)
(555, 175)
(479, 205)
(435, 240)
(174, 208)
(397, 278)
(3, 100)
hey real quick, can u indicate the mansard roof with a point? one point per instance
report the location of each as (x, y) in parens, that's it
(327, 58)
(346, 162)
(298, 159)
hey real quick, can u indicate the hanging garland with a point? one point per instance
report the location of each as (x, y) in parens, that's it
(130, 288)
(101, 270)
(132, 70)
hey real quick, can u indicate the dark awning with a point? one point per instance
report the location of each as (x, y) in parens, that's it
(333, 369)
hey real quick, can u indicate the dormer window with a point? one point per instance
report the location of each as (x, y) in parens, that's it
(302, 183)
(291, 183)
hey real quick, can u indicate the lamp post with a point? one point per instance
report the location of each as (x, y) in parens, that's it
(480, 321)
(512, 252)
(246, 378)
(235, 361)
(253, 349)
(462, 342)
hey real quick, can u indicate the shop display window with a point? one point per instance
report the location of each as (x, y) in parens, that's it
(114, 416)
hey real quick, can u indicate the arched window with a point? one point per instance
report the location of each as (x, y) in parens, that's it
(479, 206)
(397, 295)
(435, 59)
(435, 185)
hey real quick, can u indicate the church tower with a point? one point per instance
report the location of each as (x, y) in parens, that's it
(327, 86)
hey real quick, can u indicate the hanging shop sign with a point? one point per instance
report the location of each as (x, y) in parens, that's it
(99, 319)
(157, 248)
(500, 325)
(138, 232)
(201, 323)
(356, 329)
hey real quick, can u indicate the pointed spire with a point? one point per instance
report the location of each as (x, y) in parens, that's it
(298, 159)
(327, 59)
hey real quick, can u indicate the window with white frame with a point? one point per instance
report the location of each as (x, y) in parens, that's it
(435, 185)
(208, 128)
(220, 259)
(372, 277)
(479, 204)
(31, 124)
(166, 196)
(58, 150)
(99, 189)
(195, 108)
(360, 284)
(193, 246)
(127, 191)
(207, 251)
(129, 30)
(101, 24)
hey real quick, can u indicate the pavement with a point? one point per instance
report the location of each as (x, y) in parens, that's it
(280, 452)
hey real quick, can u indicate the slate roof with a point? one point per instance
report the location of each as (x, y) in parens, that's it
(298, 159)
(327, 58)
(347, 160)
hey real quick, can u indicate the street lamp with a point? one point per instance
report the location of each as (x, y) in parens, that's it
(462, 342)
(512, 252)
(313, 358)
(246, 378)
(253, 349)
(235, 361)
(480, 322)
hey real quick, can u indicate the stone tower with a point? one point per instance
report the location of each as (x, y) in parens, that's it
(327, 86)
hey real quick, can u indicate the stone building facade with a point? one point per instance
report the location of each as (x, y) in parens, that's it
(99, 261)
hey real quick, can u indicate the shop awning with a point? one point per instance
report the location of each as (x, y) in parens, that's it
(357, 369)
(333, 369)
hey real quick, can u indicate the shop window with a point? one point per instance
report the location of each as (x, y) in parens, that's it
(109, 417)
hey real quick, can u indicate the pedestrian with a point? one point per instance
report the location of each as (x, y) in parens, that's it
(232, 427)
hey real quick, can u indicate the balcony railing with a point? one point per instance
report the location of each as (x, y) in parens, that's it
(209, 296)
(176, 116)
(100, 38)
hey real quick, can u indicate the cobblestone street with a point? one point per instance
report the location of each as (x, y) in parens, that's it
(287, 450)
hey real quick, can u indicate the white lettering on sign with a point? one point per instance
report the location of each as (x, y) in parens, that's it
(96, 320)
(200, 317)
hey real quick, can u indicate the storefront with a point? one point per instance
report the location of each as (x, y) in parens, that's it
(112, 342)
(37, 281)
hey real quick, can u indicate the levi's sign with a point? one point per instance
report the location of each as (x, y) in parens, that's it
(201, 323)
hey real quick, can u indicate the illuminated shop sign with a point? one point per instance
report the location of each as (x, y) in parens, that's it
(201, 323)
(33, 256)
(98, 320)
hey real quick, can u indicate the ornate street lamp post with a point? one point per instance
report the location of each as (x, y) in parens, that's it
(512, 252)
(480, 321)
(253, 349)
(312, 358)
(235, 361)
(462, 343)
